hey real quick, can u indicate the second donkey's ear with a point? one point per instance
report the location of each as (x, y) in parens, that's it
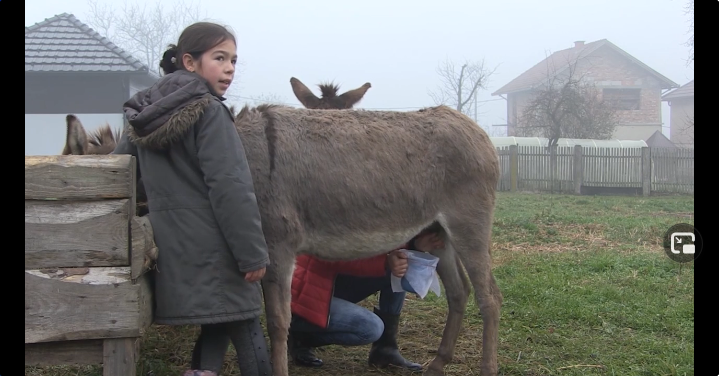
(352, 97)
(76, 142)
(303, 94)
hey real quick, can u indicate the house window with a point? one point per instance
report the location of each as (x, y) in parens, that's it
(622, 99)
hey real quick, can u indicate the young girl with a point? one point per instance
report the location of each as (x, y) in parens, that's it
(201, 202)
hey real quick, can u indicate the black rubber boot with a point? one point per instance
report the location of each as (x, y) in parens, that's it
(385, 351)
(301, 351)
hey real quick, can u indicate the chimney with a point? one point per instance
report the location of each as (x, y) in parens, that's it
(579, 44)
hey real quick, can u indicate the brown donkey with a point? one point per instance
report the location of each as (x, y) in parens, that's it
(80, 142)
(102, 141)
(344, 184)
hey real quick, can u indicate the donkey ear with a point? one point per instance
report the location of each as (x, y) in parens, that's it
(352, 97)
(76, 140)
(303, 94)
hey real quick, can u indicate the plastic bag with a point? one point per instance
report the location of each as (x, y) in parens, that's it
(421, 275)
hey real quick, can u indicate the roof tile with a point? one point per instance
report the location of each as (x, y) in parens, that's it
(686, 90)
(63, 43)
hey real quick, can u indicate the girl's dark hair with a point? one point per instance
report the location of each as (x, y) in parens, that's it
(195, 40)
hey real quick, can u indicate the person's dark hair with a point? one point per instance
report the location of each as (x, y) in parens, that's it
(195, 40)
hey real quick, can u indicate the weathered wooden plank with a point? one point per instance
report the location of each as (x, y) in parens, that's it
(120, 356)
(578, 169)
(82, 352)
(74, 234)
(646, 171)
(142, 247)
(85, 303)
(513, 167)
(72, 177)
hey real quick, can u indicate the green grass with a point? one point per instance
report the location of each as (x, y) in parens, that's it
(628, 313)
(587, 287)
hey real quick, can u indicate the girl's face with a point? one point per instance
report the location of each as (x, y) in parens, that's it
(216, 65)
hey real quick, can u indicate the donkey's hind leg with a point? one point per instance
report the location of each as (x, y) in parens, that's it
(473, 248)
(457, 290)
(276, 288)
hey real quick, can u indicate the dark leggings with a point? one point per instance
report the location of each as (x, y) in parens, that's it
(248, 339)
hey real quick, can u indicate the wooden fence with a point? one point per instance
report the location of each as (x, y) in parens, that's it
(589, 170)
(87, 297)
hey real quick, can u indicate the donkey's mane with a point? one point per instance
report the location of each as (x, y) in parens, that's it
(329, 90)
(265, 111)
(104, 136)
(250, 112)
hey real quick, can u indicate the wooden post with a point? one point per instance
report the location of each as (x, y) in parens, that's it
(513, 167)
(553, 169)
(119, 356)
(578, 169)
(646, 171)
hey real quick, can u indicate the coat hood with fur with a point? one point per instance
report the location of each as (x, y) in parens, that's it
(162, 113)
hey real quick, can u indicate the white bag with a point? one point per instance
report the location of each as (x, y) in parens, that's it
(421, 275)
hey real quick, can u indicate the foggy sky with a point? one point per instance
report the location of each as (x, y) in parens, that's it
(396, 45)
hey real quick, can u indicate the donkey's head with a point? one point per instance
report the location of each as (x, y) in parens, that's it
(80, 142)
(101, 141)
(330, 100)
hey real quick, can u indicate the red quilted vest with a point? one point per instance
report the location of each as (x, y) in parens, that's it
(313, 283)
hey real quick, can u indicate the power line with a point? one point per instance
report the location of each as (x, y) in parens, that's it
(365, 108)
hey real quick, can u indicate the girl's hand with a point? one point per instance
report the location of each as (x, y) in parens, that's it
(255, 276)
(398, 264)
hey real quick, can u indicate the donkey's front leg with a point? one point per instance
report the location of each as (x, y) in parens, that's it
(276, 288)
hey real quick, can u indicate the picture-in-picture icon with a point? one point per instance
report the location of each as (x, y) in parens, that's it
(680, 244)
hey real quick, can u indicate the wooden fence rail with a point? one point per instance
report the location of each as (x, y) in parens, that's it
(87, 297)
(589, 170)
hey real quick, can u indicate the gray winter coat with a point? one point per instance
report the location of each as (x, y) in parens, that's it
(201, 200)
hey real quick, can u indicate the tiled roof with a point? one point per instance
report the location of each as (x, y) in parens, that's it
(686, 90)
(560, 60)
(64, 44)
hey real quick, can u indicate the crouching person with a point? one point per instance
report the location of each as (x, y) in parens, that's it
(325, 311)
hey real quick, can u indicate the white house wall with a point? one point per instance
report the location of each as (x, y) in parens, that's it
(135, 86)
(45, 133)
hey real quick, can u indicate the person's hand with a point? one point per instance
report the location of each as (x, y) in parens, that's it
(255, 276)
(428, 242)
(398, 264)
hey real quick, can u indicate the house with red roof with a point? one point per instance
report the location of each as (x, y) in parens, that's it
(633, 88)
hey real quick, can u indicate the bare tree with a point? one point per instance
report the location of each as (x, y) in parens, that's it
(689, 10)
(495, 131)
(145, 29)
(567, 106)
(687, 129)
(459, 86)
